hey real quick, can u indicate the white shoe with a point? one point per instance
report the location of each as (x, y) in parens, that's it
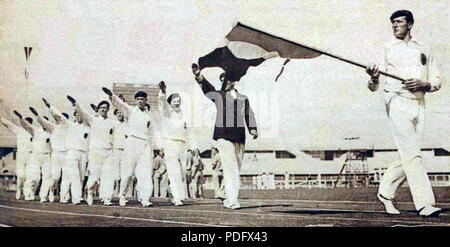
(226, 203)
(31, 198)
(43, 200)
(90, 199)
(176, 202)
(235, 206)
(107, 202)
(122, 201)
(76, 203)
(51, 197)
(389, 206)
(18, 194)
(147, 204)
(430, 211)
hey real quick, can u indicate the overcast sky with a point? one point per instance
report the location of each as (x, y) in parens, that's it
(78, 47)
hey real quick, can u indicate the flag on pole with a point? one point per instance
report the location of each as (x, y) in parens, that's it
(247, 47)
(235, 63)
(27, 55)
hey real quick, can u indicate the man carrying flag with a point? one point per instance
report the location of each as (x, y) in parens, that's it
(405, 105)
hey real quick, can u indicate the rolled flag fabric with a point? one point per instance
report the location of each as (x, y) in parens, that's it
(246, 47)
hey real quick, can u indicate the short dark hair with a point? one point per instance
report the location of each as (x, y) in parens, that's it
(172, 96)
(148, 106)
(406, 13)
(115, 111)
(140, 94)
(103, 102)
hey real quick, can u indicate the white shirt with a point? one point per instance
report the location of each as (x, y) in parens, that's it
(139, 122)
(409, 60)
(58, 138)
(77, 136)
(101, 130)
(173, 125)
(41, 140)
(24, 139)
(119, 135)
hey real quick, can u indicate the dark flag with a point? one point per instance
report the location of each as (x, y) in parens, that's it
(234, 62)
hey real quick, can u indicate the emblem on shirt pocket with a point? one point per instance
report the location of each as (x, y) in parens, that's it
(111, 131)
(148, 124)
(47, 140)
(423, 59)
(31, 139)
(85, 135)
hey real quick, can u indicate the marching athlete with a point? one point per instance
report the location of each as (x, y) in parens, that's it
(24, 150)
(409, 58)
(77, 143)
(100, 143)
(176, 139)
(138, 151)
(39, 162)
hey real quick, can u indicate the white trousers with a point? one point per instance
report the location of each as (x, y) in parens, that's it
(39, 163)
(71, 175)
(407, 119)
(109, 175)
(218, 184)
(21, 164)
(138, 161)
(57, 160)
(231, 155)
(98, 157)
(174, 157)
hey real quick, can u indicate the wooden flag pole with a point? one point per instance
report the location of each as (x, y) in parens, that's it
(322, 52)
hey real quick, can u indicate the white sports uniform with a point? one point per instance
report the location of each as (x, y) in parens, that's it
(39, 163)
(175, 141)
(100, 146)
(58, 154)
(24, 150)
(405, 109)
(111, 171)
(138, 151)
(76, 142)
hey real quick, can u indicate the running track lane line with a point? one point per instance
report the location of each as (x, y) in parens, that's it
(110, 217)
(272, 215)
(288, 216)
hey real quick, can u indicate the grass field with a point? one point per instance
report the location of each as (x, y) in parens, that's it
(299, 207)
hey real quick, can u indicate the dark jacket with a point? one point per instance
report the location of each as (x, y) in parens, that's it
(232, 114)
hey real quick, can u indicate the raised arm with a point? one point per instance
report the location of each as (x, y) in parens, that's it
(48, 126)
(163, 105)
(55, 112)
(118, 103)
(204, 84)
(85, 115)
(11, 126)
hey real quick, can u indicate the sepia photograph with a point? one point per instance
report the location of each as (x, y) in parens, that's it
(196, 114)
